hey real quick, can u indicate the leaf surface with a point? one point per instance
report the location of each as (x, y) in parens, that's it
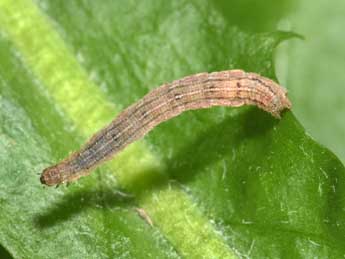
(217, 183)
(313, 70)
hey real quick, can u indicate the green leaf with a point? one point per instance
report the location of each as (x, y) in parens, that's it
(217, 183)
(313, 70)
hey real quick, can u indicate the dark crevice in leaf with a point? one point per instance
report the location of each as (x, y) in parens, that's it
(4, 254)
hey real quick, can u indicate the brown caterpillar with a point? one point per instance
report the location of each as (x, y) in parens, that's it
(204, 90)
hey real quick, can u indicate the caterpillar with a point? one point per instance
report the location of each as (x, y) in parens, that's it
(225, 88)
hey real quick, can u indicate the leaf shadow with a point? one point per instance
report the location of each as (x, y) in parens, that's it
(74, 202)
(219, 141)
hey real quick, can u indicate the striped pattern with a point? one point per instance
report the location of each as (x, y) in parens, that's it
(226, 88)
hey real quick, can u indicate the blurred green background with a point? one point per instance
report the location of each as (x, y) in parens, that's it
(312, 69)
